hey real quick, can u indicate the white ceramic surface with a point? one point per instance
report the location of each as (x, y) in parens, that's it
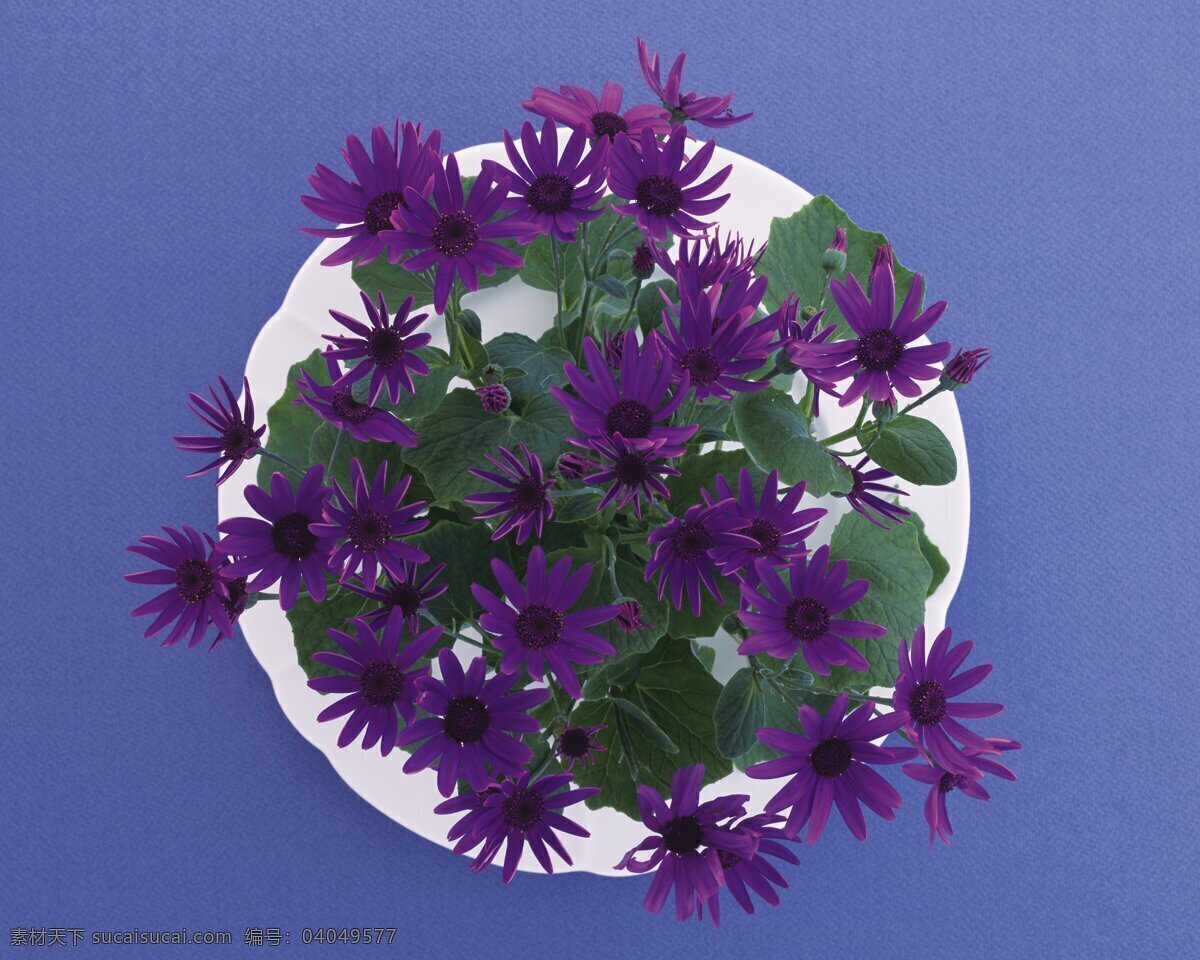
(758, 194)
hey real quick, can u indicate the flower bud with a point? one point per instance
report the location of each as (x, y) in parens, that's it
(573, 466)
(629, 617)
(833, 260)
(494, 397)
(884, 410)
(643, 261)
(492, 373)
(962, 367)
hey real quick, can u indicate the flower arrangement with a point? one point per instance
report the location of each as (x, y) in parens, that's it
(588, 513)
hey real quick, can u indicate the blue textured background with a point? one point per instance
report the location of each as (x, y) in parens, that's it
(1037, 160)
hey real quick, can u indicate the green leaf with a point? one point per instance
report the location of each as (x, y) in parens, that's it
(430, 390)
(311, 623)
(541, 364)
(290, 425)
(793, 257)
(780, 703)
(712, 614)
(650, 303)
(471, 323)
(933, 556)
(394, 282)
(466, 549)
(699, 472)
(644, 725)
(538, 271)
(612, 286)
(675, 691)
(712, 417)
(610, 674)
(775, 432)
(899, 575)
(915, 450)
(739, 713)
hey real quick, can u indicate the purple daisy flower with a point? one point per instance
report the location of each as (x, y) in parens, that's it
(457, 234)
(864, 495)
(795, 338)
(365, 205)
(638, 403)
(281, 546)
(829, 763)
(535, 620)
(707, 111)
(404, 597)
(708, 259)
(941, 783)
(372, 522)
(387, 349)
(524, 500)
(555, 193)
(363, 421)
(879, 358)
(961, 368)
(237, 438)
(683, 551)
(198, 591)
(476, 725)
(778, 526)
(717, 349)
(744, 875)
(575, 745)
(926, 689)
(657, 181)
(379, 682)
(803, 615)
(684, 850)
(519, 812)
(600, 116)
(633, 468)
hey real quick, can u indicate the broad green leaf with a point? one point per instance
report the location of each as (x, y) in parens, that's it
(739, 713)
(311, 623)
(394, 282)
(611, 286)
(775, 433)
(644, 725)
(430, 390)
(780, 703)
(290, 425)
(650, 303)
(915, 450)
(541, 364)
(712, 614)
(933, 556)
(699, 472)
(712, 417)
(467, 550)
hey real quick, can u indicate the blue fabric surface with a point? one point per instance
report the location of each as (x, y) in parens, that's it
(1037, 160)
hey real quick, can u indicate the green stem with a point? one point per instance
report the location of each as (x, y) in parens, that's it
(264, 452)
(853, 431)
(637, 288)
(337, 446)
(558, 317)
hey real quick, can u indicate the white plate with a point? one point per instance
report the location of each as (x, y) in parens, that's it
(758, 195)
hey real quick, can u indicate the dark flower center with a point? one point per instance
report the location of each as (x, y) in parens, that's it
(879, 350)
(608, 124)
(238, 440)
(575, 743)
(378, 215)
(368, 530)
(927, 703)
(235, 603)
(455, 234)
(728, 860)
(291, 536)
(831, 758)
(385, 346)
(660, 196)
(806, 618)
(631, 469)
(194, 580)
(690, 540)
(630, 419)
(382, 683)
(466, 719)
(949, 781)
(682, 835)
(523, 809)
(529, 495)
(765, 532)
(406, 596)
(550, 193)
(701, 364)
(349, 410)
(539, 626)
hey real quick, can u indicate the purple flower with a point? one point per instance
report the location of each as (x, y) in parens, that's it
(387, 349)
(629, 617)
(494, 397)
(658, 182)
(363, 421)
(523, 501)
(519, 812)
(757, 874)
(708, 111)
(879, 358)
(379, 682)
(237, 437)
(638, 403)
(778, 526)
(555, 193)
(476, 725)
(597, 116)
(573, 466)
(686, 842)
(456, 235)
(197, 582)
(682, 551)
(864, 494)
(366, 203)
(803, 615)
(961, 368)
(281, 547)
(926, 689)
(372, 522)
(941, 783)
(829, 763)
(632, 468)
(708, 259)
(575, 745)
(797, 336)
(404, 597)
(535, 622)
